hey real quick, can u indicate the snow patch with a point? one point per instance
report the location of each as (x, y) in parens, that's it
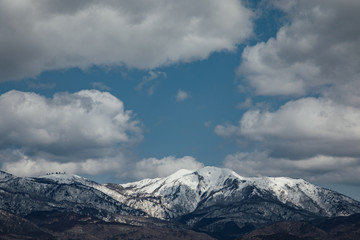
(66, 178)
(184, 191)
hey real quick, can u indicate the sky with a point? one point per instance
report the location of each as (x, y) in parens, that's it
(118, 91)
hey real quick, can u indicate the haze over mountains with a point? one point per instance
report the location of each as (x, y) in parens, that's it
(215, 201)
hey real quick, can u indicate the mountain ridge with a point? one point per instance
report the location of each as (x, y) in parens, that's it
(212, 180)
(212, 200)
(24, 195)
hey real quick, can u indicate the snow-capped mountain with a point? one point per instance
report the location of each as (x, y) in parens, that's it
(217, 200)
(213, 200)
(185, 191)
(58, 192)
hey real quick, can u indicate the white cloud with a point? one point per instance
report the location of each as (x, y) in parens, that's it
(226, 130)
(153, 167)
(318, 47)
(87, 132)
(181, 95)
(46, 35)
(38, 85)
(316, 52)
(82, 120)
(70, 130)
(153, 75)
(302, 128)
(245, 104)
(101, 86)
(320, 168)
(23, 165)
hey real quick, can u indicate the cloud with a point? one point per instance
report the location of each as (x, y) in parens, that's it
(346, 94)
(303, 128)
(101, 86)
(71, 130)
(39, 36)
(181, 96)
(316, 48)
(226, 130)
(153, 75)
(87, 132)
(153, 167)
(23, 165)
(315, 53)
(245, 104)
(319, 168)
(37, 85)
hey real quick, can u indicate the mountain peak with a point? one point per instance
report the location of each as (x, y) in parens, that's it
(180, 173)
(186, 191)
(65, 178)
(215, 174)
(210, 199)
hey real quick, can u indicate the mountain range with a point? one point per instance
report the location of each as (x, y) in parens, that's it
(204, 204)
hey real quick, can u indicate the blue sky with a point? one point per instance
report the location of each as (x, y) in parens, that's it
(124, 90)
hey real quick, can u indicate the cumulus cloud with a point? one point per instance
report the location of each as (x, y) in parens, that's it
(317, 47)
(47, 35)
(346, 94)
(319, 168)
(23, 165)
(302, 128)
(68, 131)
(153, 167)
(181, 95)
(316, 52)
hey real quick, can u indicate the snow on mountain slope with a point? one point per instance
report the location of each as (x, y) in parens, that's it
(299, 193)
(4, 175)
(186, 191)
(211, 200)
(63, 178)
(201, 180)
(57, 192)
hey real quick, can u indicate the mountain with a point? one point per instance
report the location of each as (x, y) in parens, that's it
(15, 227)
(211, 200)
(223, 204)
(52, 225)
(337, 228)
(65, 206)
(58, 192)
